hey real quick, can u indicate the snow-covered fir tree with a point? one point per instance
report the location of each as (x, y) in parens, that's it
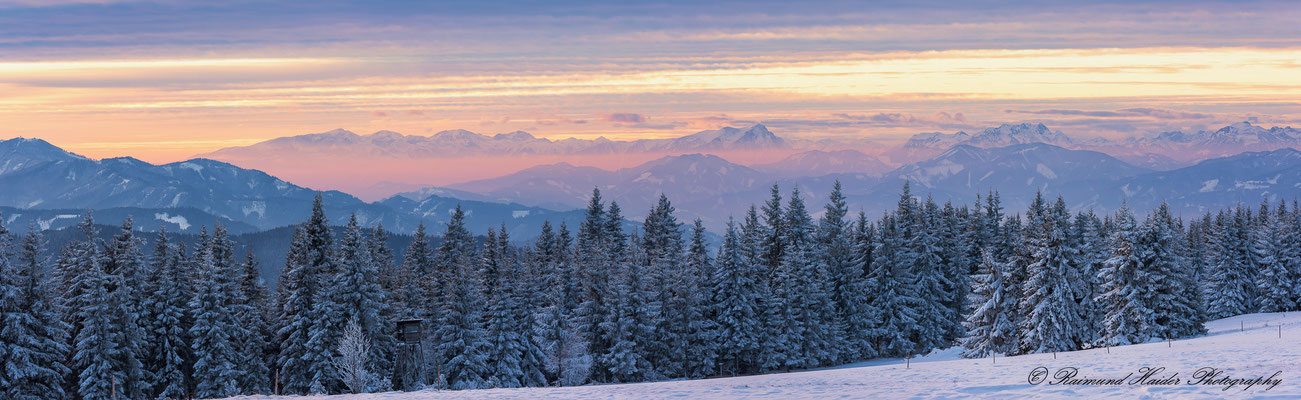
(32, 337)
(463, 347)
(1052, 316)
(1273, 281)
(1125, 287)
(356, 292)
(780, 292)
(991, 326)
(125, 266)
(736, 317)
(169, 309)
(215, 371)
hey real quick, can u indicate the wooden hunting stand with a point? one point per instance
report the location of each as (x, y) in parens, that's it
(409, 364)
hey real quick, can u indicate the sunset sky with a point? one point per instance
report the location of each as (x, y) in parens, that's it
(165, 80)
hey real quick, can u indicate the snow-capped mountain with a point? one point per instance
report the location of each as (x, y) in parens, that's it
(927, 145)
(686, 179)
(818, 162)
(1212, 184)
(51, 187)
(50, 178)
(713, 189)
(460, 143)
(1017, 172)
(1189, 148)
(1035, 166)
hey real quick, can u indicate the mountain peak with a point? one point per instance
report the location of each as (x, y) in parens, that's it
(456, 134)
(514, 136)
(338, 132)
(1010, 134)
(34, 149)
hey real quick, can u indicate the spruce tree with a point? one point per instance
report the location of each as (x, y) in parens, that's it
(627, 327)
(990, 327)
(1230, 288)
(358, 295)
(933, 285)
(462, 344)
(736, 315)
(835, 245)
(254, 354)
(861, 317)
(1125, 286)
(32, 336)
(169, 306)
(415, 290)
(1273, 283)
(814, 307)
(1052, 320)
(96, 344)
(895, 291)
(125, 264)
(300, 285)
(505, 342)
(215, 372)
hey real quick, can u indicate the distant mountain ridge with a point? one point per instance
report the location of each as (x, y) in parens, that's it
(459, 143)
(713, 189)
(51, 188)
(1162, 151)
(48, 184)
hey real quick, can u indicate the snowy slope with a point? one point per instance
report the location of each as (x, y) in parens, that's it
(1256, 351)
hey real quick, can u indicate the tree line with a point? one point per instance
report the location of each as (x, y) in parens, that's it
(782, 291)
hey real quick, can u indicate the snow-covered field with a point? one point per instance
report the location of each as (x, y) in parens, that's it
(1243, 347)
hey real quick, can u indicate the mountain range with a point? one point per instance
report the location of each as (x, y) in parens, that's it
(713, 189)
(47, 186)
(460, 143)
(50, 187)
(1161, 151)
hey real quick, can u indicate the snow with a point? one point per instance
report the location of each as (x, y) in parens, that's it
(1128, 192)
(1245, 347)
(192, 166)
(519, 213)
(1209, 186)
(259, 207)
(1045, 171)
(45, 224)
(178, 220)
(1251, 185)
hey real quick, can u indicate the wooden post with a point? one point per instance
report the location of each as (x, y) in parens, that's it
(907, 360)
(1242, 326)
(1108, 349)
(1054, 354)
(114, 388)
(277, 387)
(995, 358)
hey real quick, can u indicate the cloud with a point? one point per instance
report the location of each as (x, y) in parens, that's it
(941, 119)
(626, 118)
(1124, 113)
(1168, 114)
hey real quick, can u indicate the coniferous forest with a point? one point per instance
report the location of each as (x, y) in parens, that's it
(147, 317)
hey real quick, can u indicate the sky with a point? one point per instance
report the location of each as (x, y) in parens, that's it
(165, 80)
